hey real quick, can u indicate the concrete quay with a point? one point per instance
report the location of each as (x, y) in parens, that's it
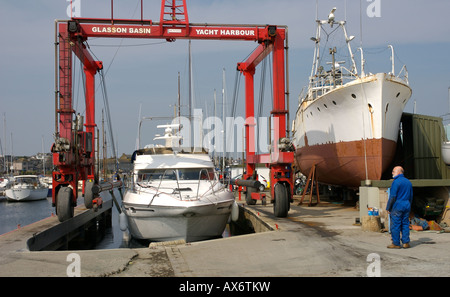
(312, 241)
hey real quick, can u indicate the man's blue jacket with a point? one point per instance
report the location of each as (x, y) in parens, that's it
(400, 194)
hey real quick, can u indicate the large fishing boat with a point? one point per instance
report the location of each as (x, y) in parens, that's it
(176, 195)
(347, 123)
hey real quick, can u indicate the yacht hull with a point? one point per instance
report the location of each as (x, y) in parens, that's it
(26, 194)
(166, 223)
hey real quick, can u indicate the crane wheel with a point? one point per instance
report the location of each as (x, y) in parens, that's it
(64, 207)
(281, 201)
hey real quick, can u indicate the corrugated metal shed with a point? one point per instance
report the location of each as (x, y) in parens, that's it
(419, 147)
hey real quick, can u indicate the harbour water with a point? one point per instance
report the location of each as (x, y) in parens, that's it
(15, 215)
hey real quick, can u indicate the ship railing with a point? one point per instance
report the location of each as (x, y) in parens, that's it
(204, 175)
(160, 182)
(323, 83)
(403, 74)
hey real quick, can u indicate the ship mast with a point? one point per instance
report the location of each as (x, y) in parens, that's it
(317, 70)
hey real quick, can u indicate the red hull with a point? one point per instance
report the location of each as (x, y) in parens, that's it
(343, 163)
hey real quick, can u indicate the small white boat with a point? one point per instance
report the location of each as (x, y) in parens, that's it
(4, 182)
(47, 182)
(445, 150)
(26, 188)
(176, 195)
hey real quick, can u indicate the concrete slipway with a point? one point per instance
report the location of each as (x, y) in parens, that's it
(313, 241)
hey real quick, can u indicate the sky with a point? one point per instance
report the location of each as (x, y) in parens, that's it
(142, 75)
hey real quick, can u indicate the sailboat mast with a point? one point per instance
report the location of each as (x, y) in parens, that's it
(190, 82)
(223, 122)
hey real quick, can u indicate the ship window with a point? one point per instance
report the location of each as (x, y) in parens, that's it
(334, 102)
(196, 174)
(354, 96)
(318, 109)
(398, 94)
(311, 113)
(387, 107)
(325, 106)
(149, 175)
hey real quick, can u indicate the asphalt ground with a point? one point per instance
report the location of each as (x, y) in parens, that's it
(316, 241)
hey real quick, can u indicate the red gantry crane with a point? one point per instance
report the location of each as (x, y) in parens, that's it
(74, 149)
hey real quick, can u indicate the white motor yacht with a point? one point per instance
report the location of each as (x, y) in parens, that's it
(176, 195)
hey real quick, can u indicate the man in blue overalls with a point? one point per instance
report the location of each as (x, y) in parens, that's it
(399, 207)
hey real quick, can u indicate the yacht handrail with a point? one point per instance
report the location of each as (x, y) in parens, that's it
(159, 186)
(209, 179)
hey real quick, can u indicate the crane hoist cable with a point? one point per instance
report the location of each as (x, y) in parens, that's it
(237, 82)
(264, 70)
(108, 117)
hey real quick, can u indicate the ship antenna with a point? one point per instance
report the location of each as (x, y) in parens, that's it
(360, 25)
(345, 11)
(317, 9)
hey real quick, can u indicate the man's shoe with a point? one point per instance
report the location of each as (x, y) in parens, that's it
(393, 246)
(406, 246)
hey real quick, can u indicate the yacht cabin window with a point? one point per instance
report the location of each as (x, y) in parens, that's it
(149, 175)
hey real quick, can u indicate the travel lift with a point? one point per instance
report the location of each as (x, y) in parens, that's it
(74, 147)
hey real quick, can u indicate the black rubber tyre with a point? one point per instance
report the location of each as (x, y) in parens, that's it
(281, 201)
(64, 207)
(88, 194)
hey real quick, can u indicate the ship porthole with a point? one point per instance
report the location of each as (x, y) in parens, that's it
(398, 94)
(334, 102)
(354, 96)
(318, 109)
(387, 107)
(325, 106)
